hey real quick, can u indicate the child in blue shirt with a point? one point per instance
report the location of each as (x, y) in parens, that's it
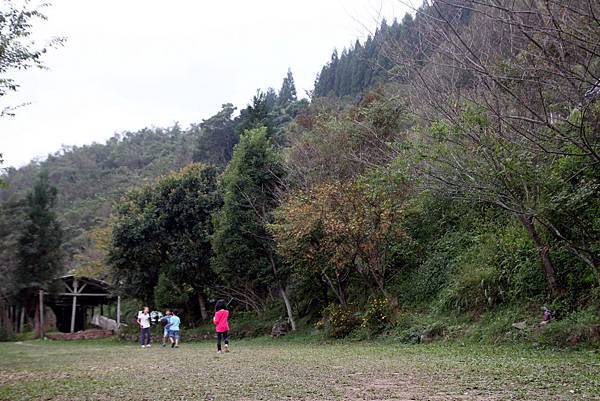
(173, 329)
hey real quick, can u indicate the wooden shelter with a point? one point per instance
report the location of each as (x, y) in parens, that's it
(77, 295)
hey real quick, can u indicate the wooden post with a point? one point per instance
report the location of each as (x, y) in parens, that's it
(41, 294)
(118, 313)
(74, 308)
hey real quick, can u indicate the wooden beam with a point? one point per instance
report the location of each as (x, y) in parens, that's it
(67, 287)
(74, 307)
(68, 294)
(82, 287)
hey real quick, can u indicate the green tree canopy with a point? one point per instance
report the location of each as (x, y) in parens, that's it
(39, 247)
(17, 50)
(165, 227)
(245, 256)
(216, 137)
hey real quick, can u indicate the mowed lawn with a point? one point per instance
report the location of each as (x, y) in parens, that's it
(283, 370)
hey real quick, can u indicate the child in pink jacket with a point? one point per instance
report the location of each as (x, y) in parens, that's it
(221, 325)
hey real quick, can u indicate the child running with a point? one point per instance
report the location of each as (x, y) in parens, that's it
(165, 322)
(173, 329)
(221, 325)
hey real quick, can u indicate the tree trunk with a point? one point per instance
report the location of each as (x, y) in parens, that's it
(22, 320)
(337, 289)
(202, 304)
(585, 254)
(543, 251)
(392, 300)
(286, 300)
(36, 322)
(15, 317)
(341, 291)
(288, 307)
(5, 321)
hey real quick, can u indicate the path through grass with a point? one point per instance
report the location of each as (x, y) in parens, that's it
(277, 370)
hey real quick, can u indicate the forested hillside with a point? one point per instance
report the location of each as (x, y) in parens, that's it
(91, 178)
(442, 181)
(383, 56)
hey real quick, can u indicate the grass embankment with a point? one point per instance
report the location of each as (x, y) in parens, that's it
(264, 369)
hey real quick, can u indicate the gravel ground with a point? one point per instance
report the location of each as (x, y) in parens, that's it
(283, 370)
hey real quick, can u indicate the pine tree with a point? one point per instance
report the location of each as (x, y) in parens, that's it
(39, 250)
(287, 93)
(271, 100)
(258, 114)
(216, 138)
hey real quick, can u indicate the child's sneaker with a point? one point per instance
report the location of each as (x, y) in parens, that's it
(226, 347)
(143, 346)
(219, 352)
(172, 345)
(149, 345)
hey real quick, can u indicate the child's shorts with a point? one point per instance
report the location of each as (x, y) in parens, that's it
(174, 334)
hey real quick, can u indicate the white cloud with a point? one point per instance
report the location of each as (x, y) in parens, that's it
(128, 64)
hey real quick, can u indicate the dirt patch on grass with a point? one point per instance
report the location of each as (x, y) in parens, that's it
(7, 377)
(410, 388)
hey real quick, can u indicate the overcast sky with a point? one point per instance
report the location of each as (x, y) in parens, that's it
(129, 64)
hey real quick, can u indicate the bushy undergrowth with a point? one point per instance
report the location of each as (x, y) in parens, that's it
(338, 321)
(581, 327)
(511, 325)
(378, 316)
(494, 267)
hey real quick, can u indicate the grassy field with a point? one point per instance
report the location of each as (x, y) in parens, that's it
(283, 370)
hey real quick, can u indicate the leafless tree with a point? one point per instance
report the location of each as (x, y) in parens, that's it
(504, 90)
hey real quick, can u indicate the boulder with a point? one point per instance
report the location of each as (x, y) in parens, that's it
(104, 322)
(520, 325)
(426, 338)
(280, 329)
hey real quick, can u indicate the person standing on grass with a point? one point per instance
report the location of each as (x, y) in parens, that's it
(143, 319)
(173, 329)
(166, 319)
(221, 325)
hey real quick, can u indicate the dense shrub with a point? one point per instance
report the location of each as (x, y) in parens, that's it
(499, 266)
(170, 294)
(378, 316)
(476, 284)
(337, 321)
